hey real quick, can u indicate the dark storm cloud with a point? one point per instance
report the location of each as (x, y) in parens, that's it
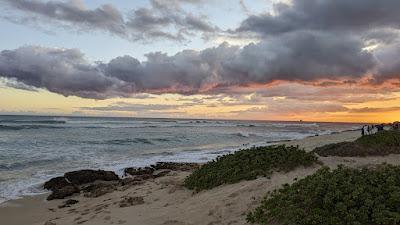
(389, 63)
(60, 71)
(369, 24)
(301, 56)
(354, 15)
(106, 17)
(164, 20)
(304, 57)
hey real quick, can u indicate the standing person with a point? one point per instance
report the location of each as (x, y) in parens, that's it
(362, 131)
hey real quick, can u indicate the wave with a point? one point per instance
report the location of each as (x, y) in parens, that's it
(246, 125)
(242, 134)
(158, 154)
(33, 121)
(128, 141)
(29, 163)
(22, 127)
(295, 124)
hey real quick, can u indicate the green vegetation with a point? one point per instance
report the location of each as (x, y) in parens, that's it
(381, 143)
(248, 164)
(342, 196)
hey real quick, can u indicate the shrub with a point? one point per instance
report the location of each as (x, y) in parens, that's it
(248, 164)
(342, 196)
(381, 143)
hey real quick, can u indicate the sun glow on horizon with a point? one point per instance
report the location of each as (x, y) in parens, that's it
(43, 102)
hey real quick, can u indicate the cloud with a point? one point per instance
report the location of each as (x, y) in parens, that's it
(63, 71)
(374, 110)
(244, 7)
(372, 25)
(355, 15)
(314, 42)
(301, 56)
(305, 92)
(389, 63)
(304, 57)
(163, 20)
(122, 106)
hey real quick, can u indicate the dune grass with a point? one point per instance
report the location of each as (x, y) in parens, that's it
(248, 164)
(335, 197)
(381, 143)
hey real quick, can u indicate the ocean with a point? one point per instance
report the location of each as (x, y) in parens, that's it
(34, 149)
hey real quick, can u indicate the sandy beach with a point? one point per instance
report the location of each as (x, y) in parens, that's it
(164, 201)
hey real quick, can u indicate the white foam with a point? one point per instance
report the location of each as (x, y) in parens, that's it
(12, 189)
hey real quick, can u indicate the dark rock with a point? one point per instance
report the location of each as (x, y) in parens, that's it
(99, 189)
(161, 173)
(131, 201)
(68, 203)
(88, 176)
(56, 183)
(175, 166)
(138, 171)
(50, 223)
(130, 181)
(63, 192)
(62, 187)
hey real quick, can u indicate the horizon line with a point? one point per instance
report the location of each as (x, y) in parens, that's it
(188, 118)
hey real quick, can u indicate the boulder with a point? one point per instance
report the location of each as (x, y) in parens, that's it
(56, 183)
(63, 192)
(88, 176)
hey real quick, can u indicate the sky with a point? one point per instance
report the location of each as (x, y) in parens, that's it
(311, 60)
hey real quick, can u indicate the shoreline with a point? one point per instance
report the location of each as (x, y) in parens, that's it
(166, 202)
(215, 153)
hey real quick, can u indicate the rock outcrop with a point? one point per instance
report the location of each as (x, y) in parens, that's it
(88, 176)
(63, 192)
(95, 183)
(71, 182)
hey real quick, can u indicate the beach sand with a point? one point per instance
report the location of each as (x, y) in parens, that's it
(167, 202)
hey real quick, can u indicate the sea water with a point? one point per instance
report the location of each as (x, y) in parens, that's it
(34, 149)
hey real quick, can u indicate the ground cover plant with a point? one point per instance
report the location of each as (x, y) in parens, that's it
(248, 164)
(381, 143)
(335, 197)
